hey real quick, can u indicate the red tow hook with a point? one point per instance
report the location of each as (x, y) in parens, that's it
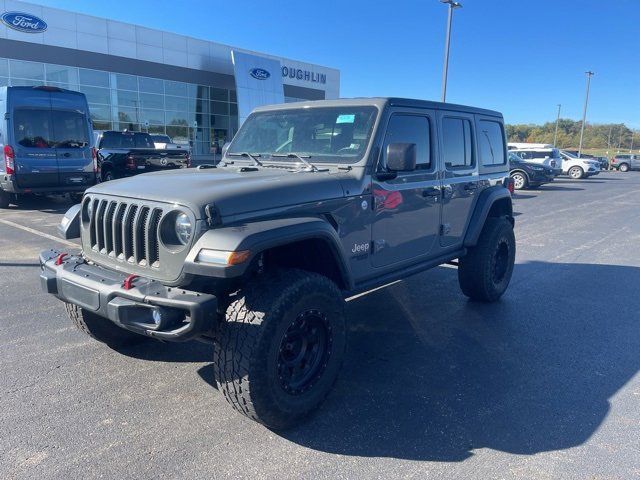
(128, 282)
(60, 258)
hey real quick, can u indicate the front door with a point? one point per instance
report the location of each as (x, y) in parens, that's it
(460, 181)
(407, 207)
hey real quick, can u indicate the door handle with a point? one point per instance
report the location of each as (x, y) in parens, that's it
(66, 154)
(431, 192)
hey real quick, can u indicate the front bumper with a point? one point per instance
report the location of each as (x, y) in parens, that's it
(541, 176)
(148, 307)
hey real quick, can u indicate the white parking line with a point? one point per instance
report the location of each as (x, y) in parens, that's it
(39, 233)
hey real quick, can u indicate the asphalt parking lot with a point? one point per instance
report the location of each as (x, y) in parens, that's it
(543, 384)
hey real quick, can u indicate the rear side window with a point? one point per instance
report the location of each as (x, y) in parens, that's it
(44, 128)
(456, 141)
(32, 128)
(411, 129)
(491, 143)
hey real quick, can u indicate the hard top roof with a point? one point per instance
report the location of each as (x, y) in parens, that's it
(380, 102)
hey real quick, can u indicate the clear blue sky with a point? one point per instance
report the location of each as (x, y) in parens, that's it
(521, 57)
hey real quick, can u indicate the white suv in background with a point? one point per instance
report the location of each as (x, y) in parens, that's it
(577, 167)
(547, 156)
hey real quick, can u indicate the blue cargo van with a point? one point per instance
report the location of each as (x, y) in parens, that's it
(45, 142)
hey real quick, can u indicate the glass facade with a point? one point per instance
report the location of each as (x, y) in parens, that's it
(203, 116)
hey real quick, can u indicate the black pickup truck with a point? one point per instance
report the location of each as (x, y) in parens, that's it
(123, 154)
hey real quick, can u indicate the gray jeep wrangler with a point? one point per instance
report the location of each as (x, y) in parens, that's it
(312, 203)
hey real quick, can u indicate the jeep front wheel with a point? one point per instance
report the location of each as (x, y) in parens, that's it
(484, 273)
(101, 329)
(279, 350)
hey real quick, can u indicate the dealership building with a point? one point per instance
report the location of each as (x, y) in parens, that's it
(140, 78)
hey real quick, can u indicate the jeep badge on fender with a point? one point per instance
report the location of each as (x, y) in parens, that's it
(257, 254)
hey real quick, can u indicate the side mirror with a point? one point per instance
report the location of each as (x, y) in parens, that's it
(225, 147)
(401, 157)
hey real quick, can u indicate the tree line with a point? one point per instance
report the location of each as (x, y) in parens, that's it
(601, 136)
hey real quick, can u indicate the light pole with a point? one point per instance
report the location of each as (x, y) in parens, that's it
(584, 112)
(555, 135)
(452, 5)
(631, 149)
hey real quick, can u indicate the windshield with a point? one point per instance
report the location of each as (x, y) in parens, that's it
(329, 134)
(570, 155)
(44, 128)
(160, 138)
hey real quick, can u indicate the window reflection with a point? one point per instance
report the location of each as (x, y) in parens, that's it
(124, 101)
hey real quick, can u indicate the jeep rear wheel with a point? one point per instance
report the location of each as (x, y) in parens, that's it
(484, 273)
(623, 167)
(279, 350)
(101, 329)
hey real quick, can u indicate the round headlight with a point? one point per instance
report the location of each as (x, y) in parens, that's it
(184, 228)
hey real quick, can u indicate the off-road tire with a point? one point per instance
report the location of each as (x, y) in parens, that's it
(5, 199)
(485, 271)
(107, 176)
(521, 183)
(623, 167)
(248, 345)
(101, 329)
(576, 173)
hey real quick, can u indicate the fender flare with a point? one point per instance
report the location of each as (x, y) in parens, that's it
(260, 236)
(486, 200)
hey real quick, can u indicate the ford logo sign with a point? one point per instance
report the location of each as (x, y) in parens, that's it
(259, 73)
(24, 22)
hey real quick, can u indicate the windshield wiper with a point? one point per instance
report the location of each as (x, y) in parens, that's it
(310, 166)
(252, 156)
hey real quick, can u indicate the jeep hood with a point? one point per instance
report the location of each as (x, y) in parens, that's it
(232, 191)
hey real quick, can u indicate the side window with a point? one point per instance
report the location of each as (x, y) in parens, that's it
(542, 154)
(456, 141)
(491, 143)
(411, 129)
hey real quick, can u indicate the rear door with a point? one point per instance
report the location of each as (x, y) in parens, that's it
(70, 118)
(35, 155)
(461, 182)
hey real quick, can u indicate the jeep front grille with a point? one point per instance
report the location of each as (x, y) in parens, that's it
(125, 231)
